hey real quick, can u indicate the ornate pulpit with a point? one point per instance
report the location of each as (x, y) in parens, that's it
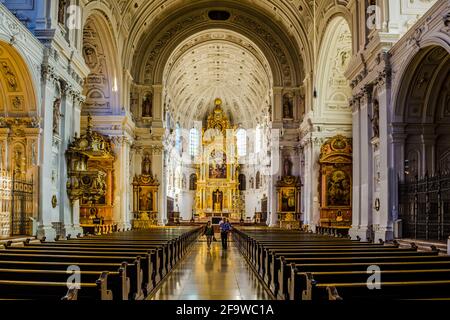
(145, 197)
(90, 179)
(288, 190)
(336, 182)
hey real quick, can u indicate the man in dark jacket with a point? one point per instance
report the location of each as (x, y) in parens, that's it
(225, 228)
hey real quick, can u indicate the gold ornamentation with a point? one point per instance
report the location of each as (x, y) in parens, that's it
(218, 185)
(54, 201)
(88, 184)
(335, 181)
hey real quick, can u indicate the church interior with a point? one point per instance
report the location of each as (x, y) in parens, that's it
(311, 137)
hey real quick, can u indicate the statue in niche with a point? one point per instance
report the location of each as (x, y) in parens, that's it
(56, 115)
(147, 106)
(288, 111)
(376, 119)
(62, 11)
(287, 168)
(146, 165)
(90, 56)
(10, 76)
(19, 161)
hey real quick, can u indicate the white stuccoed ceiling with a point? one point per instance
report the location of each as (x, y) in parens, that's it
(218, 64)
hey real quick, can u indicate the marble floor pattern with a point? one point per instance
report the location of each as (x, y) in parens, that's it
(212, 274)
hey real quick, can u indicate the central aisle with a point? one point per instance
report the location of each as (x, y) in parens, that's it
(212, 274)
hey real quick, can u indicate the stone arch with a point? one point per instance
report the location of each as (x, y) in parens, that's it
(100, 52)
(422, 106)
(333, 88)
(155, 50)
(17, 90)
(246, 77)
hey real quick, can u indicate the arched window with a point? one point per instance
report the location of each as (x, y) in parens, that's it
(242, 182)
(194, 142)
(258, 180)
(241, 141)
(193, 182)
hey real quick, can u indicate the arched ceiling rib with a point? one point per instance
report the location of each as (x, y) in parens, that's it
(217, 64)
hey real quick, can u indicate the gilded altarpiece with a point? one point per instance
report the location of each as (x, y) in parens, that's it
(217, 191)
(288, 190)
(336, 182)
(91, 179)
(145, 197)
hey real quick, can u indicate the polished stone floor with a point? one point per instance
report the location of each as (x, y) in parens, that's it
(213, 274)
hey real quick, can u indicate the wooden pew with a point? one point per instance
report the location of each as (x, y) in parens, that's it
(148, 259)
(265, 261)
(116, 281)
(134, 265)
(314, 278)
(298, 282)
(439, 289)
(285, 261)
(280, 270)
(19, 289)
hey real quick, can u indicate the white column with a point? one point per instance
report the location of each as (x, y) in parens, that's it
(45, 228)
(121, 212)
(272, 218)
(315, 177)
(75, 126)
(365, 163)
(356, 193)
(158, 164)
(388, 177)
(65, 208)
(306, 194)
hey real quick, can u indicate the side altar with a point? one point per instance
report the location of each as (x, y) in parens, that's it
(145, 197)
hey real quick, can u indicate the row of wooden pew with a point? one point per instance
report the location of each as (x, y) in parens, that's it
(296, 265)
(119, 266)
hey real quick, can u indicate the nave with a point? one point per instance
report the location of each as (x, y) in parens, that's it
(212, 274)
(261, 263)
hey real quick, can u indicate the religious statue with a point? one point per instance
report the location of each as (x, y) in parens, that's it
(146, 165)
(376, 119)
(287, 168)
(147, 106)
(19, 161)
(56, 116)
(62, 11)
(217, 200)
(10, 76)
(90, 56)
(288, 112)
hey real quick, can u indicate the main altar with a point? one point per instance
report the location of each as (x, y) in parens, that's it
(217, 192)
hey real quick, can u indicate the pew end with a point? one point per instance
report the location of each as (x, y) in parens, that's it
(333, 294)
(72, 295)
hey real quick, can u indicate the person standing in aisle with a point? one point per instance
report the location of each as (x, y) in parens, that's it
(209, 233)
(225, 228)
